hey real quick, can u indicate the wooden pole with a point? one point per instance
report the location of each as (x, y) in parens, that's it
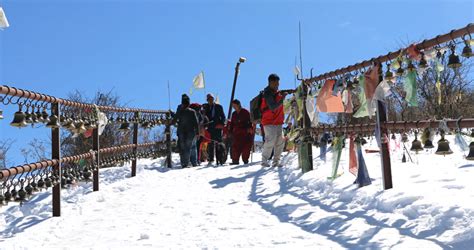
(95, 147)
(135, 142)
(56, 155)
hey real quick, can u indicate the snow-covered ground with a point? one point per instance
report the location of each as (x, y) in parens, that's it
(430, 207)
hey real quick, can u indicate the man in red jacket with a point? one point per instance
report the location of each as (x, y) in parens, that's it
(241, 130)
(272, 121)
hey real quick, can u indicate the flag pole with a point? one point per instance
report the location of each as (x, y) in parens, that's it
(241, 60)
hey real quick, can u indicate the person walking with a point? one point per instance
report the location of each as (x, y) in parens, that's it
(194, 148)
(216, 116)
(241, 131)
(187, 131)
(272, 121)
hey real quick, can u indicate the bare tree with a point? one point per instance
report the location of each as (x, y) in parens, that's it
(72, 145)
(36, 150)
(5, 146)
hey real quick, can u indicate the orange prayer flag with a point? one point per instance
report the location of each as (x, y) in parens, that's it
(328, 103)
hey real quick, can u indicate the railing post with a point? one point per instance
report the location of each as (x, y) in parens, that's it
(135, 141)
(95, 147)
(56, 154)
(385, 153)
(168, 139)
(305, 150)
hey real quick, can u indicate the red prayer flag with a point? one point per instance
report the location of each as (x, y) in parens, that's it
(371, 81)
(353, 166)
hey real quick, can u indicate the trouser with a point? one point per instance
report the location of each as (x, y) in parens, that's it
(185, 142)
(194, 154)
(322, 150)
(241, 146)
(273, 142)
(216, 136)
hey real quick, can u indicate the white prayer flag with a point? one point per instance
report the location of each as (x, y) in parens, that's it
(198, 81)
(297, 70)
(3, 19)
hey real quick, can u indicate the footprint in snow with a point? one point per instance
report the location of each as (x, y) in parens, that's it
(144, 237)
(453, 187)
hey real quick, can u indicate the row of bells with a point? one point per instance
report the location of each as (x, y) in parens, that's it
(76, 125)
(119, 159)
(148, 122)
(70, 176)
(454, 61)
(443, 146)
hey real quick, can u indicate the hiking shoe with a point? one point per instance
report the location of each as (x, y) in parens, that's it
(278, 165)
(234, 163)
(246, 162)
(265, 164)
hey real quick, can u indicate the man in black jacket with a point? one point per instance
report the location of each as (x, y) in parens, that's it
(216, 116)
(188, 129)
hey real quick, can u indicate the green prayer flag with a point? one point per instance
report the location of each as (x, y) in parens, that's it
(410, 88)
(363, 110)
(336, 157)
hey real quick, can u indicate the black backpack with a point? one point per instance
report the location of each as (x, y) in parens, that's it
(255, 112)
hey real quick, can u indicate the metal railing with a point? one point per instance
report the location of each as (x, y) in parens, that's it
(18, 183)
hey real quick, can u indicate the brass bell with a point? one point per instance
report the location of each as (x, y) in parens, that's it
(410, 66)
(41, 183)
(21, 194)
(19, 119)
(454, 61)
(443, 146)
(467, 50)
(38, 115)
(88, 124)
(45, 116)
(80, 126)
(69, 124)
(87, 173)
(404, 137)
(428, 144)
(426, 138)
(14, 194)
(470, 156)
(389, 74)
(416, 144)
(400, 70)
(48, 182)
(29, 189)
(34, 185)
(125, 125)
(7, 196)
(28, 116)
(34, 117)
(53, 122)
(423, 63)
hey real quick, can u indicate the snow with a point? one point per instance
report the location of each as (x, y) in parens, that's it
(430, 207)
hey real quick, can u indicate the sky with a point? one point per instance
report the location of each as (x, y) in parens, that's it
(135, 47)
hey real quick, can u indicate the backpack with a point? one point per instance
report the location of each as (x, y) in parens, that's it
(255, 111)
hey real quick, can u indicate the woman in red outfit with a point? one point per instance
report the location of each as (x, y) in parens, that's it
(241, 130)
